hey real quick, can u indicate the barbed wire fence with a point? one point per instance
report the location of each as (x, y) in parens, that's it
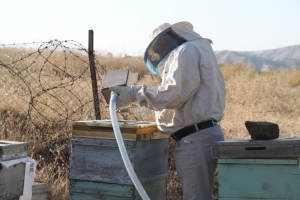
(47, 83)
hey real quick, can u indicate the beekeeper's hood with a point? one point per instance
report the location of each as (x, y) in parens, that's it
(164, 39)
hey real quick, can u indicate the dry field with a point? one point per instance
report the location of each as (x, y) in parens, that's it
(40, 99)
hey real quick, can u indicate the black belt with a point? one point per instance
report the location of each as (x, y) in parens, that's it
(188, 130)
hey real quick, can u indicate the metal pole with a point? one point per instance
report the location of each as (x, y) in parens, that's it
(93, 74)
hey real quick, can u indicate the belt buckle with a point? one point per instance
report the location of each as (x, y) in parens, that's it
(196, 127)
(214, 123)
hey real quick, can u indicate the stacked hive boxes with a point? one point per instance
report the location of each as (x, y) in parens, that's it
(258, 169)
(12, 178)
(97, 168)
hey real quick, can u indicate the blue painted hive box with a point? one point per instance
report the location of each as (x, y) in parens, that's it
(79, 190)
(97, 169)
(249, 169)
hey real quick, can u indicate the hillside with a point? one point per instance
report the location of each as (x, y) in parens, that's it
(286, 57)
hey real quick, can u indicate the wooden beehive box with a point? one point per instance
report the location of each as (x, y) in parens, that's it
(79, 189)
(12, 181)
(41, 191)
(100, 160)
(96, 159)
(10, 150)
(259, 178)
(258, 169)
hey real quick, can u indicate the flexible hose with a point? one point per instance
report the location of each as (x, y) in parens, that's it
(120, 142)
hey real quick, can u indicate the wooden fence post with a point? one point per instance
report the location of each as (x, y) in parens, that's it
(93, 75)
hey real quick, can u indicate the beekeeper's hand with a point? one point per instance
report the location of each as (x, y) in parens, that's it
(124, 95)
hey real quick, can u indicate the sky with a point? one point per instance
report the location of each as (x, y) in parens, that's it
(124, 26)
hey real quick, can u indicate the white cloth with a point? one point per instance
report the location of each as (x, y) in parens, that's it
(192, 88)
(28, 176)
(194, 164)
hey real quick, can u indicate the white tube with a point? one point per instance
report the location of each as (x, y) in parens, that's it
(120, 142)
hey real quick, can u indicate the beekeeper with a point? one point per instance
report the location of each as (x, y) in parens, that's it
(189, 103)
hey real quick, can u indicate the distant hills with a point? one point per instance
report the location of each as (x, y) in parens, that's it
(285, 57)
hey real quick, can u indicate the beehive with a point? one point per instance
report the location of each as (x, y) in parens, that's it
(12, 178)
(259, 178)
(96, 162)
(10, 150)
(249, 169)
(12, 181)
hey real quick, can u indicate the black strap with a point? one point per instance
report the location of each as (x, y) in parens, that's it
(178, 135)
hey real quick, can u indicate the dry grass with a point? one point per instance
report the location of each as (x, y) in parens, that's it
(254, 96)
(251, 96)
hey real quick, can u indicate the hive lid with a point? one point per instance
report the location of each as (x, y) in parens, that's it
(245, 148)
(131, 130)
(247, 142)
(122, 124)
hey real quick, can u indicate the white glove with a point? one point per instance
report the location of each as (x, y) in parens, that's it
(124, 95)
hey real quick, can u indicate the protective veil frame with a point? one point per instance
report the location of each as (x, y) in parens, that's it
(151, 58)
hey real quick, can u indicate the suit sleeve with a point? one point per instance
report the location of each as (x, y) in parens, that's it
(180, 82)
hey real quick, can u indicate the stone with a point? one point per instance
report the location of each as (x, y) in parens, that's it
(262, 130)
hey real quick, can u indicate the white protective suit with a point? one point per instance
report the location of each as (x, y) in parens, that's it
(192, 88)
(192, 91)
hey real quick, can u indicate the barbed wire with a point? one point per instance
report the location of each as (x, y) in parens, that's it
(47, 82)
